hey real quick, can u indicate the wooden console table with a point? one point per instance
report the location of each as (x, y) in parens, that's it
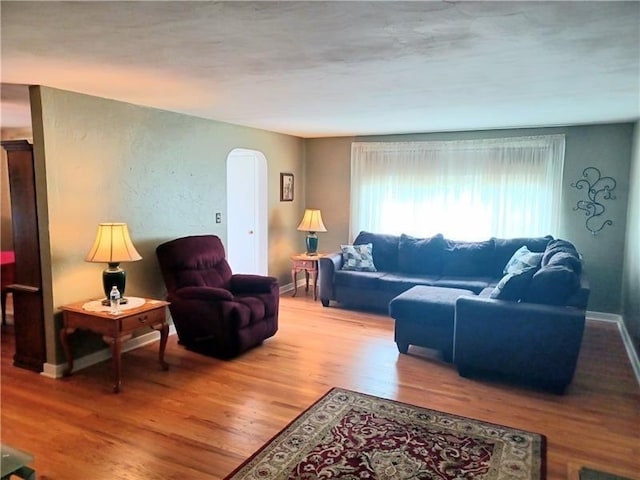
(115, 329)
(309, 265)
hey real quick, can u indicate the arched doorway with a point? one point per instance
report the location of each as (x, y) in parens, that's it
(247, 226)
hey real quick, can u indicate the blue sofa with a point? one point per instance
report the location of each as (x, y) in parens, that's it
(526, 327)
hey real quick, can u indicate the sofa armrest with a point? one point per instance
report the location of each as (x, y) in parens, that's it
(327, 266)
(245, 283)
(534, 342)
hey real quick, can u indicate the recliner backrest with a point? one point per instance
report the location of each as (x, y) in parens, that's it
(194, 261)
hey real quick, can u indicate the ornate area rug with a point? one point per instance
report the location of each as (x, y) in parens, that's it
(350, 435)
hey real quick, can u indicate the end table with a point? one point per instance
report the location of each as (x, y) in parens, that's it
(116, 328)
(308, 264)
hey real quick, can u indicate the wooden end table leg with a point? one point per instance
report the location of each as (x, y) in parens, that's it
(64, 340)
(116, 354)
(294, 275)
(306, 277)
(164, 335)
(315, 284)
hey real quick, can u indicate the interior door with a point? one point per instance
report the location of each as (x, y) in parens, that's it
(246, 212)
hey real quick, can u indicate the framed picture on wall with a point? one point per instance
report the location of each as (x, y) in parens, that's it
(286, 187)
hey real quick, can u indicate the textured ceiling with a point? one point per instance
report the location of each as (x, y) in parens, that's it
(336, 68)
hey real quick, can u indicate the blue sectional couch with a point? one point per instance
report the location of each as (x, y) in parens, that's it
(522, 321)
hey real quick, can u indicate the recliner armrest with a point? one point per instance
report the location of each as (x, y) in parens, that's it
(245, 283)
(200, 293)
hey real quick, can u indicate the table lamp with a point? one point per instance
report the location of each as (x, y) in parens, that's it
(312, 223)
(113, 245)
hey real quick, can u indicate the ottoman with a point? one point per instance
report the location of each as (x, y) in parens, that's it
(424, 317)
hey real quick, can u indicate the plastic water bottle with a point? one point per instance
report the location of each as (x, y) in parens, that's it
(114, 300)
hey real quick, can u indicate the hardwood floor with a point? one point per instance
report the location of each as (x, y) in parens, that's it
(204, 416)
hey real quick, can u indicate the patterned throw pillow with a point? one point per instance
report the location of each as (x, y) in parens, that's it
(358, 257)
(522, 259)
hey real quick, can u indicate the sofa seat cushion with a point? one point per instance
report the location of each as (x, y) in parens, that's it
(486, 292)
(476, 284)
(403, 281)
(468, 259)
(429, 302)
(347, 278)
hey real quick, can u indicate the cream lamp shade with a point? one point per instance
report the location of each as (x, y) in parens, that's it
(312, 223)
(113, 245)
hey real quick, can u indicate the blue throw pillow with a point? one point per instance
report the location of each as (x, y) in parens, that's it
(513, 285)
(552, 285)
(558, 246)
(421, 255)
(566, 259)
(358, 257)
(521, 259)
(468, 259)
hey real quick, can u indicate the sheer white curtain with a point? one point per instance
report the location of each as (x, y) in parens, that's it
(467, 190)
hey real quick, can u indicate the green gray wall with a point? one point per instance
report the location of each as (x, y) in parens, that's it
(162, 173)
(607, 147)
(631, 277)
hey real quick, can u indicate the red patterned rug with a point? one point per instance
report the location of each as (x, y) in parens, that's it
(350, 435)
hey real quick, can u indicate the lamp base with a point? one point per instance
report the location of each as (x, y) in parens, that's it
(114, 275)
(312, 244)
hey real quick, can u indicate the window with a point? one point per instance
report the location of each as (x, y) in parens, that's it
(467, 190)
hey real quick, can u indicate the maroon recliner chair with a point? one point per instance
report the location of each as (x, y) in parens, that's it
(214, 311)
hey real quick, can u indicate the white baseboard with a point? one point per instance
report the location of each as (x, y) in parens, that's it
(286, 288)
(289, 286)
(52, 370)
(624, 333)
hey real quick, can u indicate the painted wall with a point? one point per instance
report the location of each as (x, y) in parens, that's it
(631, 277)
(607, 147)
(162, 173)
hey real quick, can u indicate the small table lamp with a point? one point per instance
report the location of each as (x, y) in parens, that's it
(312, 223)
(113, 245)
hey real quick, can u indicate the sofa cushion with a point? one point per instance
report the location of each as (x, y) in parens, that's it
(347, 278)
(552, 285)
(358, 257)
(476, 284)
(566, 259)
(513, 286)
(522, 259)
(468, 259)
(558, 246)
(421, 255)
(385, 249)
(506, 247)
(393, 281)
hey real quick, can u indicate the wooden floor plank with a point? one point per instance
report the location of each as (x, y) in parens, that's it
(204, 416)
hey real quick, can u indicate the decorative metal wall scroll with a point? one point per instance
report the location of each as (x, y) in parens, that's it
(599, 188)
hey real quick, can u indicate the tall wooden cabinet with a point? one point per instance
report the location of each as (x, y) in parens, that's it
(28, 311)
